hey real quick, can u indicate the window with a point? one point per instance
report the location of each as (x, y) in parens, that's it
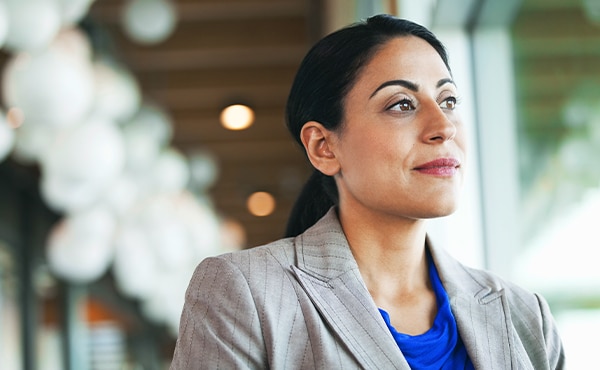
(557, 74)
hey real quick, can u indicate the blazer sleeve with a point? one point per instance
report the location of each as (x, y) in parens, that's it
(219, 327)
(554, 347)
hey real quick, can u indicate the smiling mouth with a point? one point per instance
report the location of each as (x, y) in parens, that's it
(439, 167)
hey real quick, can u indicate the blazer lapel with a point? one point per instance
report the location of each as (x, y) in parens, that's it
(482, 316)
(482, 324)
(329, 274)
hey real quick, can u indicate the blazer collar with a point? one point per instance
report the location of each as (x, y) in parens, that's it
(329, 274)
(481, 310)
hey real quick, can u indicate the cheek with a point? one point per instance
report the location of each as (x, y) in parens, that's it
(375, 148)
(382, 160)
(357, 157)
(371, 150)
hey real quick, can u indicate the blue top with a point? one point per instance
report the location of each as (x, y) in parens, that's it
(440, 347)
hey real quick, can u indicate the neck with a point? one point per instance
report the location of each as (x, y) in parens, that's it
(391, 257)
(389, 251)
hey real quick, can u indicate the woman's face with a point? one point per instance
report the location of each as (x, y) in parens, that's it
(401, 148)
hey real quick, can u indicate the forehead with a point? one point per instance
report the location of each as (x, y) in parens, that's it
(408, 57)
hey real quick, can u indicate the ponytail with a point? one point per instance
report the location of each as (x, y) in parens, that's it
(316, 198)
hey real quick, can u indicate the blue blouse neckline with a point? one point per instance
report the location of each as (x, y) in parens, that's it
(440, 347)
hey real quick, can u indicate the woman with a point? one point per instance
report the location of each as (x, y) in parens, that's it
(357, 284)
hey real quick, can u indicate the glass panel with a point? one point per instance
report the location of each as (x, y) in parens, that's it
(579, 329)
(557, 66)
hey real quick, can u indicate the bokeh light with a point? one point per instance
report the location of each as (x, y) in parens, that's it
(237, 117)
(261, 203)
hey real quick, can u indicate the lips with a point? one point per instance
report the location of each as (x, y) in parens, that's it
(439, 167)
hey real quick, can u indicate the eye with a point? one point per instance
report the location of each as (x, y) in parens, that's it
(449, 103)
(403, 105)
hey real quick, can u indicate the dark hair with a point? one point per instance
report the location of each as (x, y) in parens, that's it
(324, 78)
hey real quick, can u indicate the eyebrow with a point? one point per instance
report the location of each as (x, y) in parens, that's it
(409, 85)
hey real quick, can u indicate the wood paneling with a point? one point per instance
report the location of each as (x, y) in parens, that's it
(223, 52)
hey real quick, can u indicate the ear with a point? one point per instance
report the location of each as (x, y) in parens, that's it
(319, 144)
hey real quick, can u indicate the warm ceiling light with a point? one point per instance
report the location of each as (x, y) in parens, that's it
(237, 117)
(261, 203)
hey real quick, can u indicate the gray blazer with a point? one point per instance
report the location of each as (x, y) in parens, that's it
(300, 303)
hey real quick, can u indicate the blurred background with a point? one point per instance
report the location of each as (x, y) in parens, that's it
(138, 137)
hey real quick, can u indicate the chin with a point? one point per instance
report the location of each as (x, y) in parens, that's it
(441, 211)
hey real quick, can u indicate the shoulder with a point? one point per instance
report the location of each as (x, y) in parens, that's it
(279, 252)
(527, 308)
(242, 276)
(478, 282)
(485, 286)
(521, 300)
(495, 282)
(261, 262)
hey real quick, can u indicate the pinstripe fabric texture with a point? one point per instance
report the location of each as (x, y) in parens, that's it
(300, 303)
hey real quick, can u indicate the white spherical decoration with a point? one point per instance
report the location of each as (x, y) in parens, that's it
(141, 150)
(81, 261)
(4, 21)
(80, 163)
(154, 305)
(146, 134)
(149, 21)
(122, 194)
(176, 301)
(80, 247)
(7, 137)
(33, 24)
(117, 93)
(135, 267)
(203, 223)
(171, 243)
(203, 169)
(72, 11)
(165, 304)
(167, 233)
(170, 173)
(32, 141)
(91, 151)
(51, 88)
(64, 194)
(155, 121)
(73, 42)
(97, 221)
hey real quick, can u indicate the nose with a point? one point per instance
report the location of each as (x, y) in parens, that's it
(438, 126)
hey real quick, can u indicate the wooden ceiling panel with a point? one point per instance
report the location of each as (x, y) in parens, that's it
(209, 130)
(221, 76)
(153, 60)
(218, 97)
(215, 34)
(223, 52)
